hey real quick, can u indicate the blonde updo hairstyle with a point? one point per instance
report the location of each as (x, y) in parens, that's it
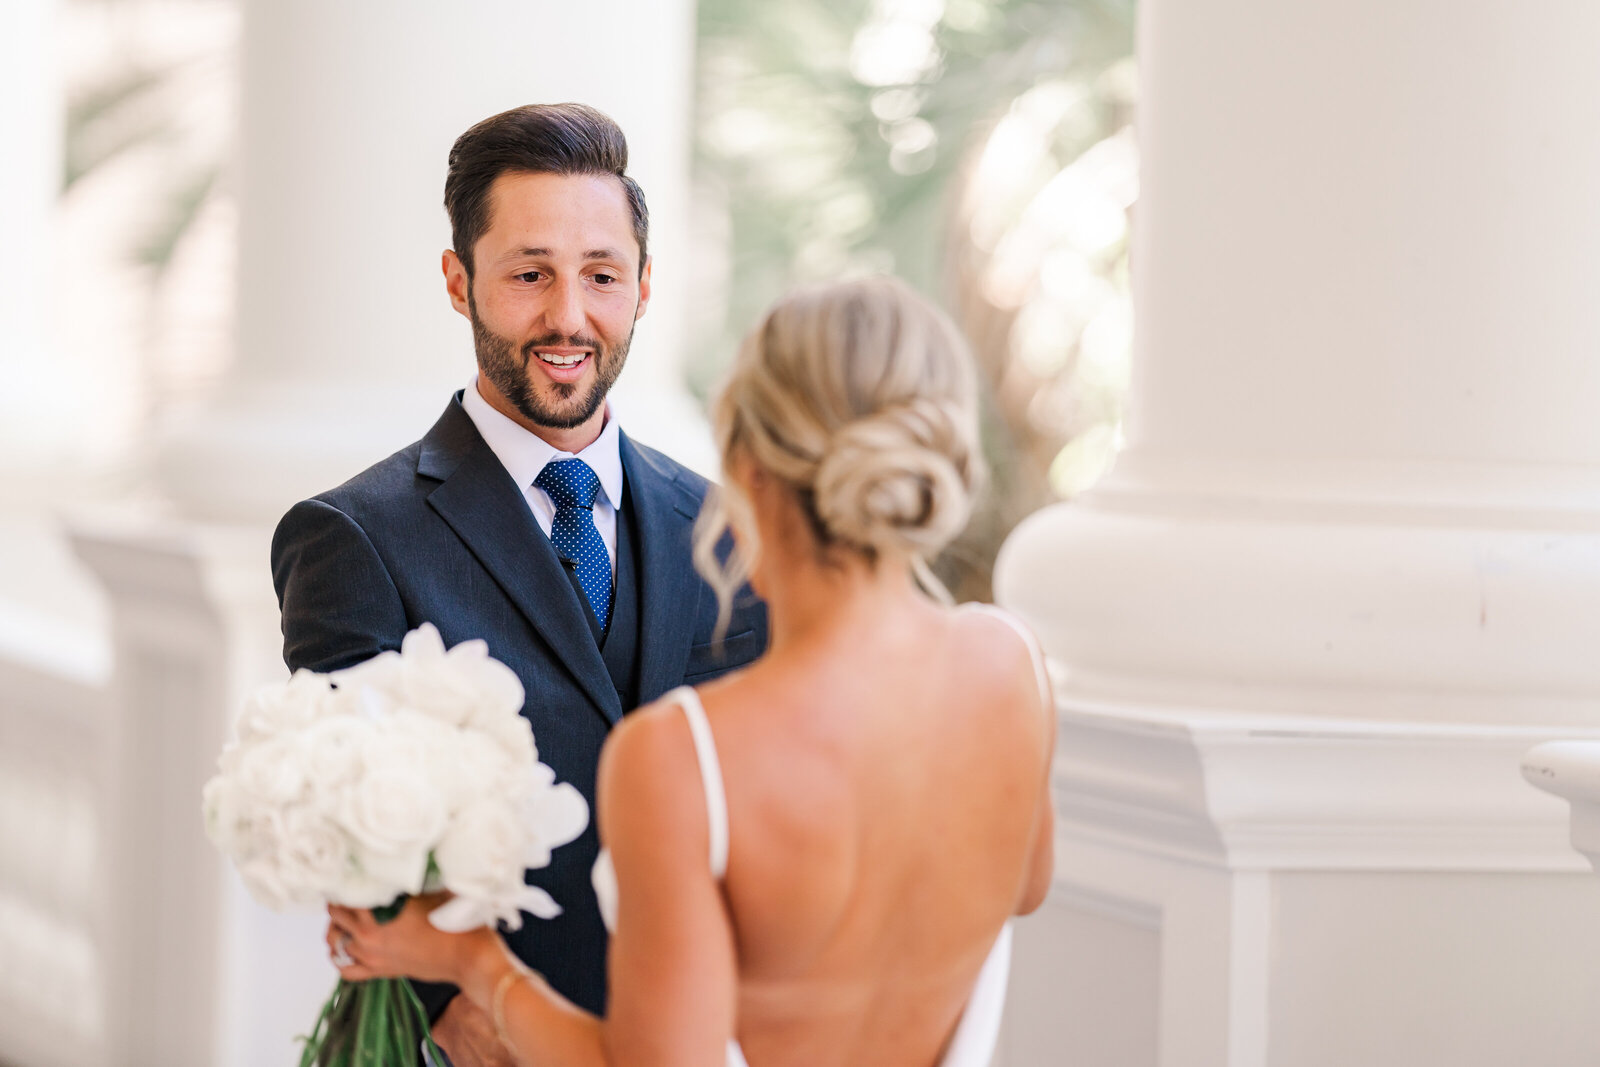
(861, 397)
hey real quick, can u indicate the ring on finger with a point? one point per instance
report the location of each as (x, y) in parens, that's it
(341, 953)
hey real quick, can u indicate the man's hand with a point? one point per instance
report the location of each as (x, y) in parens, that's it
(466, 1034)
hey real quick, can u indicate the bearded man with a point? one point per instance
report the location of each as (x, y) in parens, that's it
(525, 516)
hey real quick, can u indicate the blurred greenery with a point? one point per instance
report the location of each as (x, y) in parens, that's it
(840, 137)
(103, 120)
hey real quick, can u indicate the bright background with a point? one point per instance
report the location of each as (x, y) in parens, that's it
(1344, 575)
(221, 294)
(981, 149)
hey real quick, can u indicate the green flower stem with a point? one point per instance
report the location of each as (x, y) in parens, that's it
(383, 1040)
(420, 1014)
(370, 1024)
(314, 1042)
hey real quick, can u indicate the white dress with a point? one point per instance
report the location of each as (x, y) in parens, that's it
(973, 1043)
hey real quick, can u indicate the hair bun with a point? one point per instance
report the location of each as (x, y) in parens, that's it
(900, 479)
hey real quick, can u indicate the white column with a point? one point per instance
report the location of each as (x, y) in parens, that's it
(195, 973)
(347, 346)
(1349, 566)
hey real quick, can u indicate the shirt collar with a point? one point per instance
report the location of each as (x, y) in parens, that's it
(524, 453)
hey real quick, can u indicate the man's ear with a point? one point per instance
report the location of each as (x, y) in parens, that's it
(644, 288)
(457, 282)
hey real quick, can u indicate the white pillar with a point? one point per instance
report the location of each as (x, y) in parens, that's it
(347, 346)
(1349, 566)
(195, 972)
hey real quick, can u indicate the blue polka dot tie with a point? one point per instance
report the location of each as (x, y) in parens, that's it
(573, 486)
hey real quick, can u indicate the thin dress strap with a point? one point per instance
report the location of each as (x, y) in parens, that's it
(705, 751)
(1035, 651)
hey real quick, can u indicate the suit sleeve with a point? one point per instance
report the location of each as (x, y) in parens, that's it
(339, 607)
(339, 604)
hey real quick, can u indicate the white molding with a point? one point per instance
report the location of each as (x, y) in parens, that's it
(1355, 609)
(1070, 891)
(1571, 770)
(1260, 792)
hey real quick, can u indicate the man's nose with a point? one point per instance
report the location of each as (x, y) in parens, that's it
(564, 313)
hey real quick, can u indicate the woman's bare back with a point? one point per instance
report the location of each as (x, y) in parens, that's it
(885, 788)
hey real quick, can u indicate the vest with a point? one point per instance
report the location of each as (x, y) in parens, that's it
(619, 644)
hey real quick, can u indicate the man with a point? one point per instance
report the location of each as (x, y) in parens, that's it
(525, 516)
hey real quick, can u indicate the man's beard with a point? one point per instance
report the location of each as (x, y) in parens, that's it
(498, 359)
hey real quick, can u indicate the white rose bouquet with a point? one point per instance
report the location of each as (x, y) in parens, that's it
(414, 771)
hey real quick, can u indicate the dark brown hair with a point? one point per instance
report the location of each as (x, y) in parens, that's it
(534, 139)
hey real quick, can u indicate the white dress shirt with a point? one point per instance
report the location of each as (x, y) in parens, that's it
(524, 454)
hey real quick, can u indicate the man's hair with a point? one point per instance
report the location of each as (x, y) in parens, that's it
(534, 139)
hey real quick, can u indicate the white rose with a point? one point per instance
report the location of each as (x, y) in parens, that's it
(512, 732)
(258, 833)
(222, 807)
(480, 854)
(272, 709)
(266, 882)
(553, 814)
(357, 889)
(332, 753)
(460, 914)
(379, 675)
(270, 771)
(264, 864)
(314, 848)
(470, 766)
(456, 685)
(393, 812)
(394, 868)
(228, 761)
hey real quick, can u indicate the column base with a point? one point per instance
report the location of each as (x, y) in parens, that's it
(1270, 889)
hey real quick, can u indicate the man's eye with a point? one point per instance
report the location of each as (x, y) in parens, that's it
(604, 279)
(529, 276)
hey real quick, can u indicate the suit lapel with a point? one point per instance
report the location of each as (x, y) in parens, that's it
(669, 589)
(489, 513)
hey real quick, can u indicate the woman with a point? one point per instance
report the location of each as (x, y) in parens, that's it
(816, 855)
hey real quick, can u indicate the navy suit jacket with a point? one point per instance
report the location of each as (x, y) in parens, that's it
(439, 533)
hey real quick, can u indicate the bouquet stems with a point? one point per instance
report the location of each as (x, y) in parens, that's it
(375, 1023)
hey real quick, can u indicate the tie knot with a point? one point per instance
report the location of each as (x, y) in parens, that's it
(570, 483)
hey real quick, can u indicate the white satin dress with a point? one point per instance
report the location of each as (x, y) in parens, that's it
(973, 1043)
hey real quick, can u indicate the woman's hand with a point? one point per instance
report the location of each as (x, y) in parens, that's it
(408, 946)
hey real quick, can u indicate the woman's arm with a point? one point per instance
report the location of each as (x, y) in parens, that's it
(673, 971)
(1041, 854)
(538, 1025)
(543, 1027)
(673, 964)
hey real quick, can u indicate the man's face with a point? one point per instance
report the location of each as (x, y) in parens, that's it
(554, 295)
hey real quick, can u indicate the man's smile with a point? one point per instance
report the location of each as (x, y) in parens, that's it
(564, 364)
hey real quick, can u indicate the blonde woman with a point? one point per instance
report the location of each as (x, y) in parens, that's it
(812, 861)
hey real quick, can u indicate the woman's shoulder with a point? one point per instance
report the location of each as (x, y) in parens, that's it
(1003, 648)
(651, 756)
(645, 760)
(651, 735)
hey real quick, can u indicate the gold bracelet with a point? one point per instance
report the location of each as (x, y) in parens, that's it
(517, 970)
